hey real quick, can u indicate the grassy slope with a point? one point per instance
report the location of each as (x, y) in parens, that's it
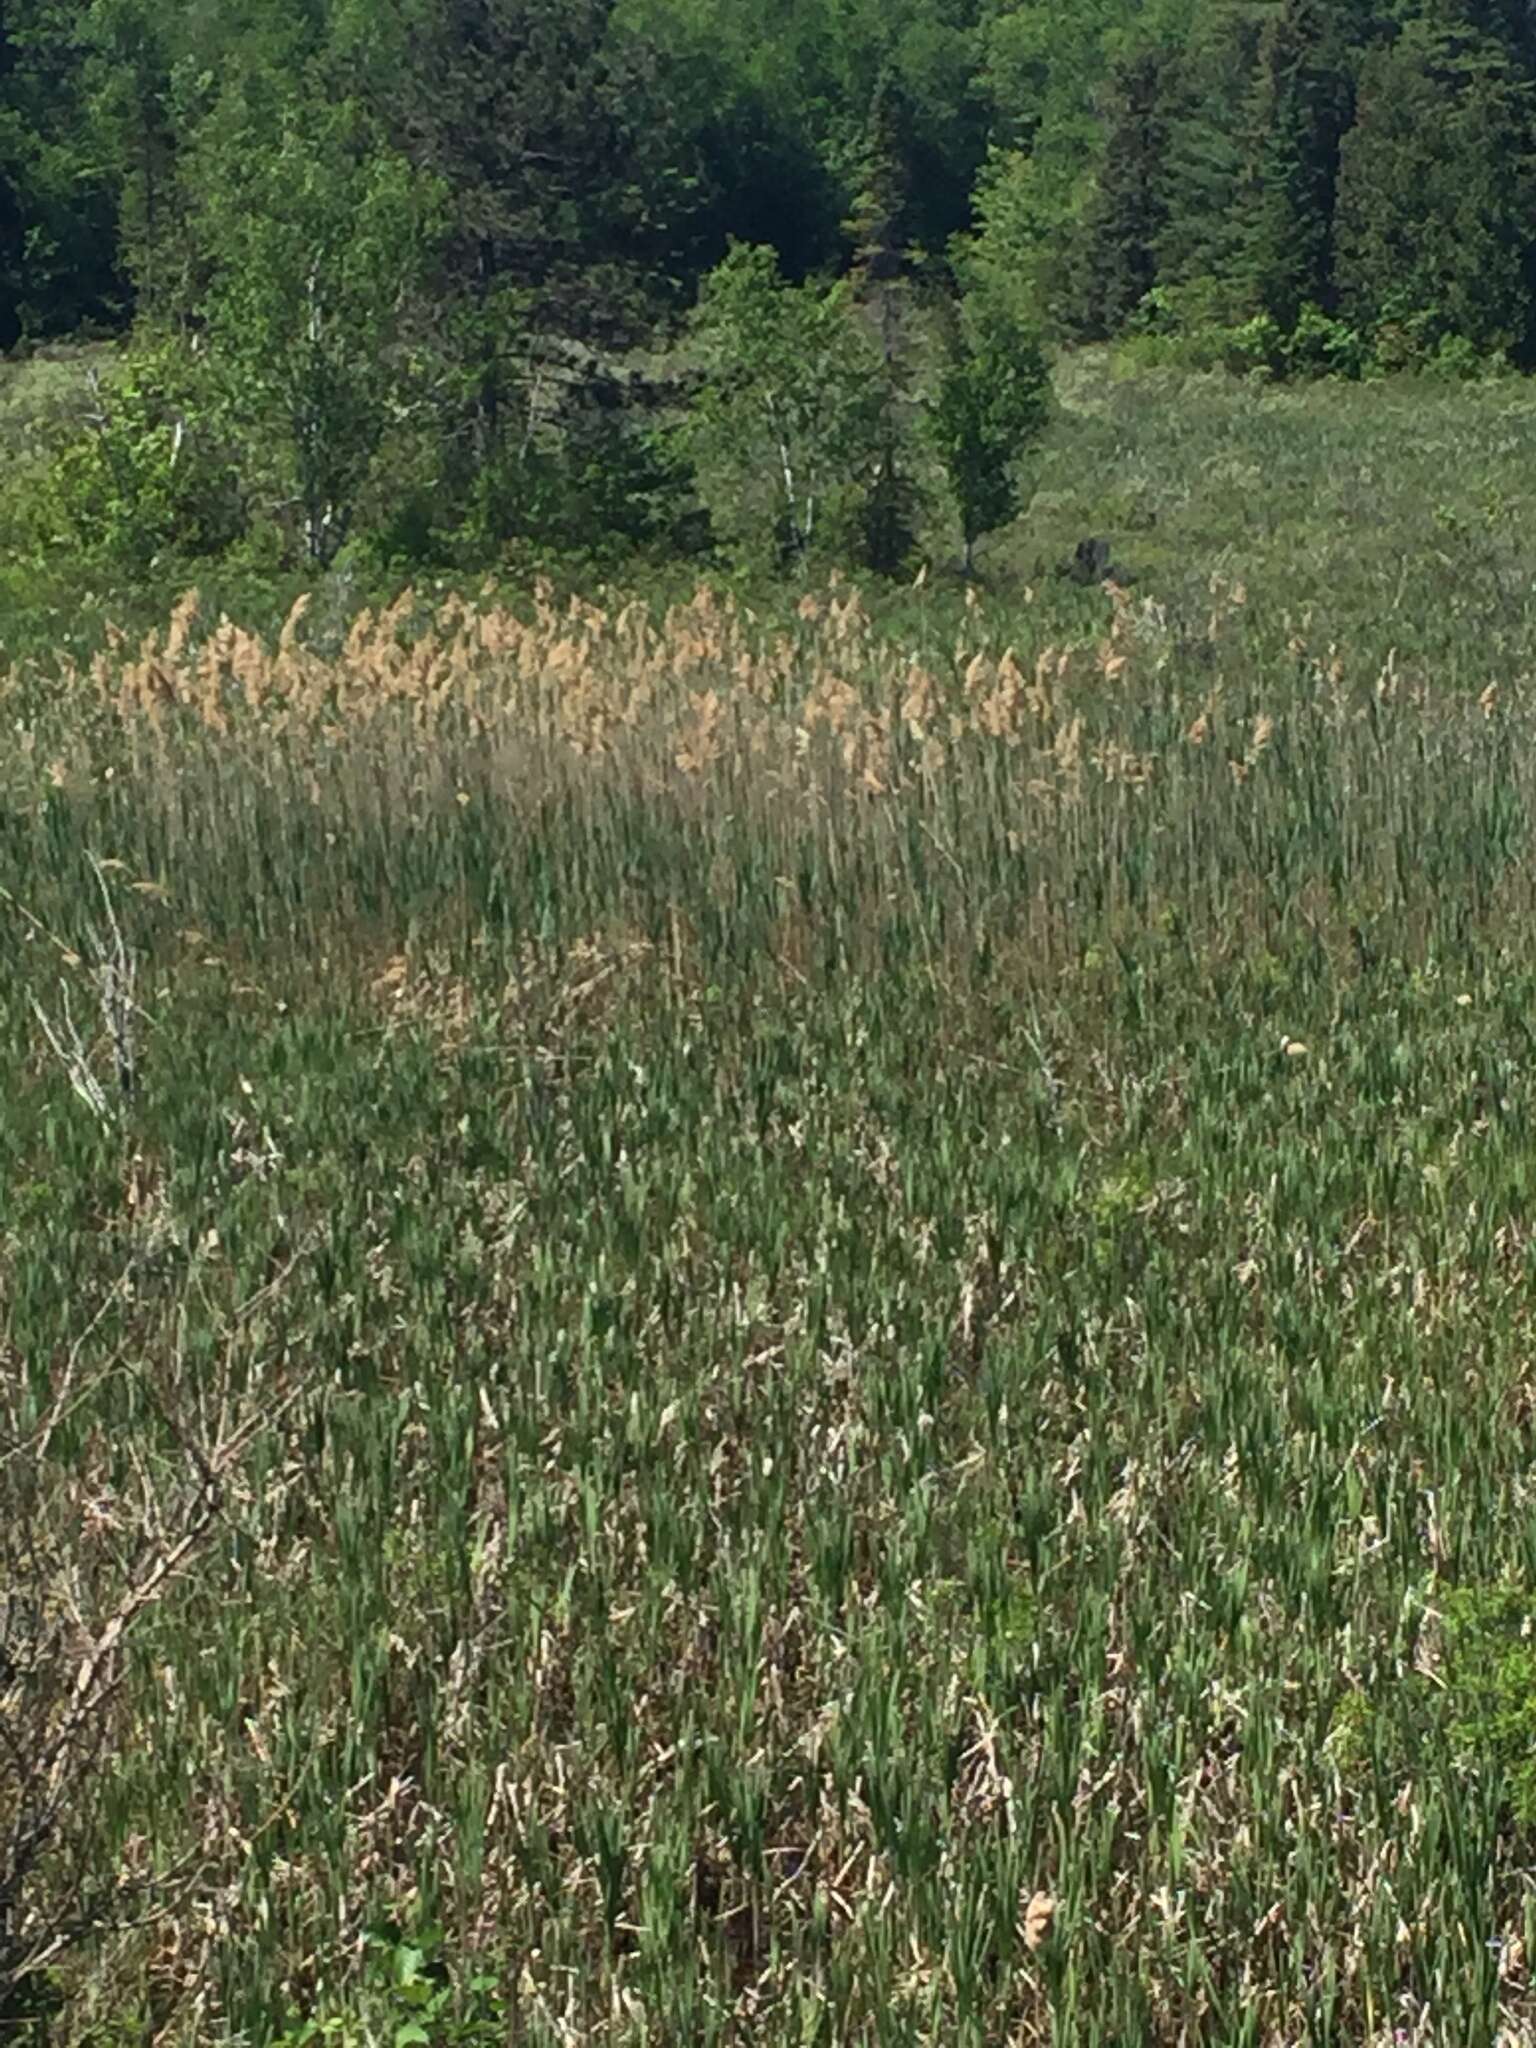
(881, 1295)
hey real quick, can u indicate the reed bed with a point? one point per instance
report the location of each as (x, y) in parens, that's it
(793, 1333)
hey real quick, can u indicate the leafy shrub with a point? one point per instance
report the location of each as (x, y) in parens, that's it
(1320, 346)
(1480, 1708)
(148, 476)
(1253, 348)
(1419, 340)
(1195, 327)
(412, 1989)
(1490, 1689)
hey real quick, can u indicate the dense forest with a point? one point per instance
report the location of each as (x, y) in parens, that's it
(458, 274)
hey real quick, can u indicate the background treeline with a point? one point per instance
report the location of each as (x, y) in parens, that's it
(418, 270)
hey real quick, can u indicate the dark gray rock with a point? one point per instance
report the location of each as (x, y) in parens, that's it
(1091, 563)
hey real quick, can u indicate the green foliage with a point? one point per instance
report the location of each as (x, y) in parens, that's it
(1490, 1686)
(385, 221)
(61, 267)
(1044, 88)
(1472, 1708)
(149, 478)
(313, 251)
(1112, 261)
(992, 404)
(1014, 247)
(132, 123)
(1418, 342)
(1191, 325)
(1321, 346)
(411, 1998)
(893, 508)
(782, 430)
(426, 261)
(596, 485)
(1299, 107)
(1436, 193)
(568, 170)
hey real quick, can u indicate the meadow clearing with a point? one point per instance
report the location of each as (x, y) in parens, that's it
(794, 1321)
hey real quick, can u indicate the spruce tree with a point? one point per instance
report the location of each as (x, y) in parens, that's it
(125, 76)
(1436, 213)
(63, 195)
(881, 225)
(10, 264)
(1112, 262)
(1210, 172)
(1298, 108)
(880, 221)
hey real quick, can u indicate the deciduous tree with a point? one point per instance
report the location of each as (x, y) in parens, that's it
(993, 400)
(783, 428)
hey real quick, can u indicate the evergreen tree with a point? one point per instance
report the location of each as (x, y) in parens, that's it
(1211, 174)
(1298, 108)
(10, 200)
(881, 227)
(1113, 261)
(125, 79)
(10, 264)
(62, 199)
(881, 221)
(546, 130)
(1437, 201)
(591, 160)
(549, 129)
(932, 57)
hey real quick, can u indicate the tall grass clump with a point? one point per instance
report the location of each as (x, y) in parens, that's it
(802, 1330)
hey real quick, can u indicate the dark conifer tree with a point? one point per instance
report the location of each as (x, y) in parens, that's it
(63, 197)
(880, 223)
(1112, 262)
(125, 77)
(10, 264)
(1298, 108)
(881, 227)
(1209, 175)
(1436, 208)
(10, 205)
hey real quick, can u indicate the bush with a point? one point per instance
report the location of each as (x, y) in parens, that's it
(148, 476)
(1479, 1709)
(1420, 342)
(1320, 346)
(600, 485)
(1196, 327)
(414, 1998)
(1490, 1689)
(1253, 348)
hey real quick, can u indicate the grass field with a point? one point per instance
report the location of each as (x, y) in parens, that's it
(806, 1326)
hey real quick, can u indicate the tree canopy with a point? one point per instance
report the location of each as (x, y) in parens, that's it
(462, 235)
(1365, 156)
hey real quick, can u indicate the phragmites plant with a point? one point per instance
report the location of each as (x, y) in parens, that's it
(791, 1330)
